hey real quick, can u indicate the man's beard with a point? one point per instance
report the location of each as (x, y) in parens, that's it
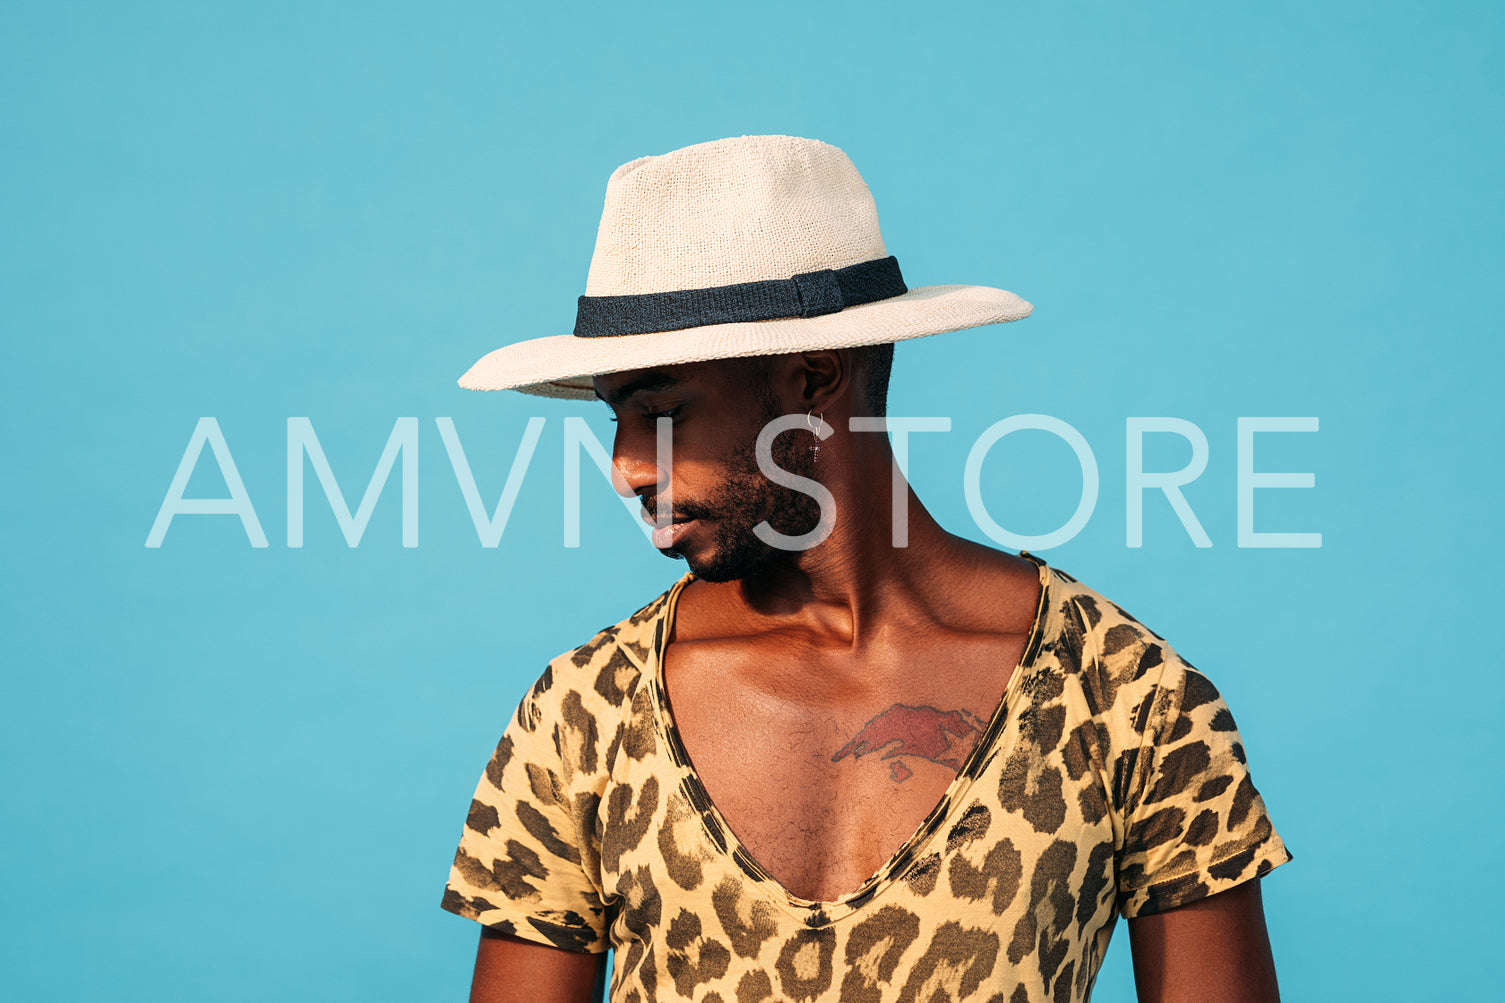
(744, 499)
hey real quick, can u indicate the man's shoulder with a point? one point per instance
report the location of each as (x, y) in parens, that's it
(1103, 671)
(609, 666)
(1100, 640)
(1101, 620)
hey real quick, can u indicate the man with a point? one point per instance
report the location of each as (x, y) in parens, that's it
(850, 756)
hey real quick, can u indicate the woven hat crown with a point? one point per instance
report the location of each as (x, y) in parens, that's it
(735, 210)
(758, 245)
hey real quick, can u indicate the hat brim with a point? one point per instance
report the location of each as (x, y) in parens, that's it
(564, 366)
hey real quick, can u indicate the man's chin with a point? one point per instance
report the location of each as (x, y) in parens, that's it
(722, 564)
(704, 566)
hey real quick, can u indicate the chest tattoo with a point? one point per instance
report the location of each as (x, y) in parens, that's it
(941, 736)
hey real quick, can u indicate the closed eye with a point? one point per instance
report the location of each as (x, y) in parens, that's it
(670, 413)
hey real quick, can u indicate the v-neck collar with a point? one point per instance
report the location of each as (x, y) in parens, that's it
(818, 913)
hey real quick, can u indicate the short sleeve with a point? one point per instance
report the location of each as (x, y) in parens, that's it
(1194, 825)
(527, 864)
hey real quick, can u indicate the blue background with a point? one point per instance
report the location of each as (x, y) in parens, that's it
(238, 774)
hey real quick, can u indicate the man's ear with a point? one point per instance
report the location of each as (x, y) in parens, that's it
(824, 377)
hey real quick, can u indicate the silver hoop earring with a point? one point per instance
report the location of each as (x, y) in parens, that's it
(815, 430)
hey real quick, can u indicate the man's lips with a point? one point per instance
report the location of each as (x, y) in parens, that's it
(664, 536)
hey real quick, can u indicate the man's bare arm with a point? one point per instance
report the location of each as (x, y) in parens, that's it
(509, 970)
(1215, 950)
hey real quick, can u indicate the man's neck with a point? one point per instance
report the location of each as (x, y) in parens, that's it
(857, 578)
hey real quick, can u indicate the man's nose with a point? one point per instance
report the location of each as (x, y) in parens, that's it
(634, 467)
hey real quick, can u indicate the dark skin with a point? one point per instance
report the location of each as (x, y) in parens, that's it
(813, 651)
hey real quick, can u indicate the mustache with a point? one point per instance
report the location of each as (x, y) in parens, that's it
(681, 511)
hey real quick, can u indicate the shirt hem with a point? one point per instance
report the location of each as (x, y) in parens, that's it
(519, 925)
(1193, 886)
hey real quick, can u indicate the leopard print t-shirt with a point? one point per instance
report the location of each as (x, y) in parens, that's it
(1111, 780)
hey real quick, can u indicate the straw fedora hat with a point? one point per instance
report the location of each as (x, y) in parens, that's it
(759, 245)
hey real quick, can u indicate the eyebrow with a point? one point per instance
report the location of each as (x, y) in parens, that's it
(647, 383)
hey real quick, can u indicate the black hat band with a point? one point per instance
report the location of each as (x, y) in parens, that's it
(810, 294)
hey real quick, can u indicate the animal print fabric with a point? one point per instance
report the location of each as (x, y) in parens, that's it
(1110, 781)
